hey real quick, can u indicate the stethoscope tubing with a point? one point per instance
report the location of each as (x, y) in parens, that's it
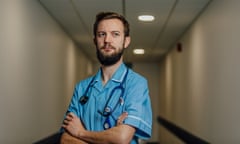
(107, 111)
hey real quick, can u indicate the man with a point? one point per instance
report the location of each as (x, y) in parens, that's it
(114, 105)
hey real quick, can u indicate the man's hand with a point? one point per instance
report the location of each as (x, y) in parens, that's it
(73, 125)
(76, 133)
(122, 118)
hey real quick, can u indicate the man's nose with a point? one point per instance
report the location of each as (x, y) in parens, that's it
(108, 38)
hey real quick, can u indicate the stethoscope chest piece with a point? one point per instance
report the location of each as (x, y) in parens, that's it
(83, 99)
(107, 124)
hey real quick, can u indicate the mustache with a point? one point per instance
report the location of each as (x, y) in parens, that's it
(107, 46)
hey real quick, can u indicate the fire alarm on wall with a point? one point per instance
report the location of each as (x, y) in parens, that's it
(179, 47)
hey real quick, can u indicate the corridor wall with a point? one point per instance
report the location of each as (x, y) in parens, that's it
(39, 66)
(200, 85)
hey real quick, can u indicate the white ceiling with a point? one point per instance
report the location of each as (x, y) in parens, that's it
(172, 18)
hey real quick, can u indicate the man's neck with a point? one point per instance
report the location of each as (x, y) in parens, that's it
(108, 71)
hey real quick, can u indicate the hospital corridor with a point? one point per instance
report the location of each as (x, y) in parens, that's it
(189, 54)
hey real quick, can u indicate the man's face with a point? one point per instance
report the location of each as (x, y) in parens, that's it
(110, 41)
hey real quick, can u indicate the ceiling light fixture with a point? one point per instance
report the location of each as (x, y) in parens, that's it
(138, 51)
(146, 18)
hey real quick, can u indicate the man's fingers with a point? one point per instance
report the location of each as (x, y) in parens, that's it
(70, 115)
(123, 115)
(121, 118)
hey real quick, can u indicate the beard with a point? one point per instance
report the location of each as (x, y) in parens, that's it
(108, 60)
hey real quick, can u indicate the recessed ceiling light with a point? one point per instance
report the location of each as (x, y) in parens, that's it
(138, 51)
(146, 18)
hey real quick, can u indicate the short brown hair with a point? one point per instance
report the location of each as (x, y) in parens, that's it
(111, 15)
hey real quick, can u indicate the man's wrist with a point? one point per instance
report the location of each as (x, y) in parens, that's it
(80, 134)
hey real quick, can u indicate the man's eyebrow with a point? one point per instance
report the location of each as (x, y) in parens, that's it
(114, 31)
(117, 31)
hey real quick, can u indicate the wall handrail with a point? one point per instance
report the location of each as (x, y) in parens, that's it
(52, 139)
(182, 134)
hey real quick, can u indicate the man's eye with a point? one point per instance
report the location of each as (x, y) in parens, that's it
(115, 34)
(101, 34)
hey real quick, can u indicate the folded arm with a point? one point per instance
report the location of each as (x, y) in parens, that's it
(120, 134)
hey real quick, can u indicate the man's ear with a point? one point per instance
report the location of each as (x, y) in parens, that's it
(127, 41)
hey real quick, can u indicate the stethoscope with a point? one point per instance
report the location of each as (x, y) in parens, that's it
(108, 110)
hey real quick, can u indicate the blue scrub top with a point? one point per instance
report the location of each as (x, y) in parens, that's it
(136, 102)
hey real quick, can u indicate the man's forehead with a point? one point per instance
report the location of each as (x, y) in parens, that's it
(111, 24)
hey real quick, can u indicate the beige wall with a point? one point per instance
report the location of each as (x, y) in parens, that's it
(39, 65)
(200, 91)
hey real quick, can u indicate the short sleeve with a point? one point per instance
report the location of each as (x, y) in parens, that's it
(73, 106)
(138, 106)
